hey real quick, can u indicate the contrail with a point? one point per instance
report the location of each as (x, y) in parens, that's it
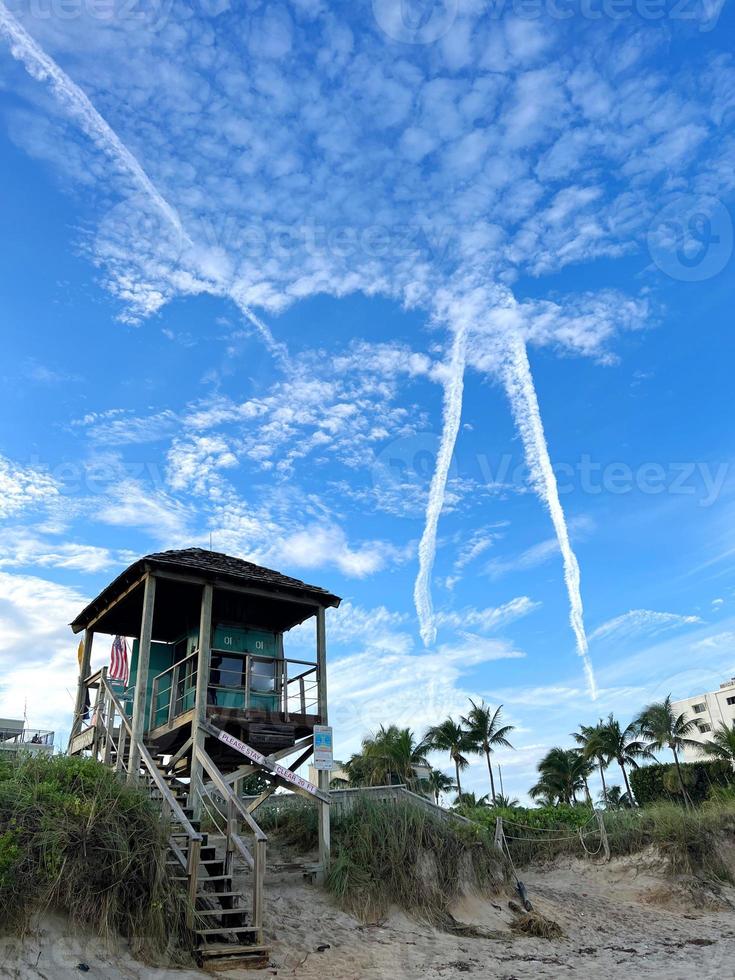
(524, 405)
(453, 390)
(44, 69)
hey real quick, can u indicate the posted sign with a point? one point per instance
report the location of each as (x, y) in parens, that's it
(323, 748)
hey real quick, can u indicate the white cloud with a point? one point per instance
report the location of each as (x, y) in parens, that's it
(38, 661)
(23, 487)
(639, 622)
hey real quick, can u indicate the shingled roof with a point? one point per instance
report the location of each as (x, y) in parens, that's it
(211, 566)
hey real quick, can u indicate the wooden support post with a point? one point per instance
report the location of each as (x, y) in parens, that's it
(198, 735)
(324, 823)
(498, 839)
(121, 743)
(81, 686)
(258, 889)
(141, 679)
(97, 716)
(172, 694)
(109, 729)
(603, 834)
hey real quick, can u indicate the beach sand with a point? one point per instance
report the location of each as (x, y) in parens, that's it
(618, 919)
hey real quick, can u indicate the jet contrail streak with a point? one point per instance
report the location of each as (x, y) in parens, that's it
(44, 69)
(524, 405)
(453, 391)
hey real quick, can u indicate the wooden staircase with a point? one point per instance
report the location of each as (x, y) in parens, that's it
(226, 928)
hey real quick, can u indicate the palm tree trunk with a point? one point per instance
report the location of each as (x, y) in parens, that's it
(459, 785)
(490, 770)
(602, 777)
(627, 784)
(682, 787)
(587, 790)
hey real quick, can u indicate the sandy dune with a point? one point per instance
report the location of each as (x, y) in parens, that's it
(618, 919)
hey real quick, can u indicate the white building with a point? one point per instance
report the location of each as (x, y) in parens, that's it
(709, 711)
(15, 737)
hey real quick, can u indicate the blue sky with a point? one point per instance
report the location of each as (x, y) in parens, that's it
(266, 267)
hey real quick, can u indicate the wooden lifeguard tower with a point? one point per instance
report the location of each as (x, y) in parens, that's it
(211, 699)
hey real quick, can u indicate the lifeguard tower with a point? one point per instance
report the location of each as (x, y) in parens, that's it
(211, 699)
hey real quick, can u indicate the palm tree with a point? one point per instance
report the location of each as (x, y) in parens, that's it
(505, 802)
(438, 783)
(588, 738)
(484, 729)
(562, 775)
(722, 745)
(659, 724)
(452, 738)
(615, 799)
(388, 757)
(622, 745)
(468, 801)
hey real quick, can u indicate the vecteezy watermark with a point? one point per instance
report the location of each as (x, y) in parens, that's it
(415, 21)
(427, 21)
(691, 238)
(409, 462)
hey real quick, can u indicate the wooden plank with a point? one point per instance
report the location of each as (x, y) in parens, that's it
(198, 734)
(141, 679)
(325, 845)
(262, 762)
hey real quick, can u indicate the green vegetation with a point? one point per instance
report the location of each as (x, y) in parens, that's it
(394, 853)
(73, 837)
(485, 734)
(387, 758)
(662, 728)
(659, 783)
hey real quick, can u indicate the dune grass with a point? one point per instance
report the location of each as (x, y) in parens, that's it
(691, 841)
(392, 853)
(73, 838)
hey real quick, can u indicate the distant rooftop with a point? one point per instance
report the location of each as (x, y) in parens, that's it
(197, 565)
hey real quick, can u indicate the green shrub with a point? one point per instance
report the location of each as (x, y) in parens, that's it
(73, 837)
(659, 782)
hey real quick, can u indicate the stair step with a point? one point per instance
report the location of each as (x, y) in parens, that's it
(224, 949)
(210, 895)
(237, 911)
(217, 878)
(219, 930)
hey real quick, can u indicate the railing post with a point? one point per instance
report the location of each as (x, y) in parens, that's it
(141, 679)
(302, 693)
(231, 831)
(603, 834)
(258, 889)
(122, 741)
(200, 702)
(98, 714)
(248, 667)
(192, 870)
(154, 704)
(498, 840)
(324, 819)
(172, 694)
(109, 729)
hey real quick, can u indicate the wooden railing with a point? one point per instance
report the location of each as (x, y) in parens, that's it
(109, 743)
(291, 688)
(214, 792)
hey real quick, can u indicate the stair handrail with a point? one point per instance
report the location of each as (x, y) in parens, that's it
(227, 792)
(152, 768)
(256, 862)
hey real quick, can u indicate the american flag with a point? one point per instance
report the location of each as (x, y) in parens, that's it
(119, 661)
